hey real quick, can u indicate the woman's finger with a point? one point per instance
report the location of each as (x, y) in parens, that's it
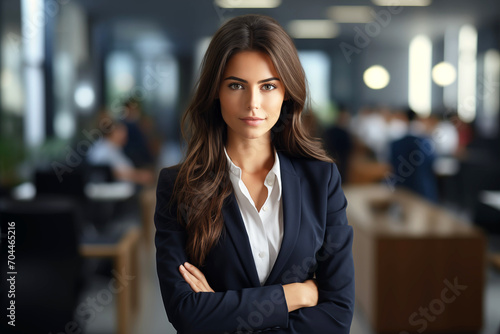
(195, 284)
(189, 278)
(195, 271)
(199, 275)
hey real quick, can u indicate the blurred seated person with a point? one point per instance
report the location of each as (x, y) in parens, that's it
(339, 143)
(465, 133)
(371, 127)
(412, 158)
(358, 162)
(137, 146)
(109, 151)
(364, 168)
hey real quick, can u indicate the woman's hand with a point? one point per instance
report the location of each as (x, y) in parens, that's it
(311, 292)
(195, 278)
(298, 295)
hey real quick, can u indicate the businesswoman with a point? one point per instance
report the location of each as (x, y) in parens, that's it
(251, 229)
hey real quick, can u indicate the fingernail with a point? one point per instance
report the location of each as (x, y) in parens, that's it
(182, 267)
(187, 264)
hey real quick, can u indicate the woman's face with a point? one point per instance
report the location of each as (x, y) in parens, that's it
(251, 95)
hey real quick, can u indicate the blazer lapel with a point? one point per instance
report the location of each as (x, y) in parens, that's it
(233, 221)
(291, 199)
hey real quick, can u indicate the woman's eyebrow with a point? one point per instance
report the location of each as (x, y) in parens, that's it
(244, 81)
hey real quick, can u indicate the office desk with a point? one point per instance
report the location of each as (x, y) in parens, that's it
(147, 200)
(104, 191)
(407, 254)
(109, 191)
(491, 198)
(123, 252)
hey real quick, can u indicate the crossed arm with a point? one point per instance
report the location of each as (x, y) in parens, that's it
(297, 295)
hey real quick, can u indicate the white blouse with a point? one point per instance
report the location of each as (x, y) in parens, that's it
(264, 227)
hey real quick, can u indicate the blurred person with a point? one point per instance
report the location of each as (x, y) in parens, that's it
(412, 158)
(371, 127)
(339, 142)
(137, 147)
(446, 137)
(398, 125)
(255, 196)
(364, 164)
(465, 134)
(108, 150)
(364, 168)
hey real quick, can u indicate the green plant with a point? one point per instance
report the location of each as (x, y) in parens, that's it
(12, 154)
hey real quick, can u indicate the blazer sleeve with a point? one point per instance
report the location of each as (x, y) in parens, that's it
(206, 312)
(334, 272)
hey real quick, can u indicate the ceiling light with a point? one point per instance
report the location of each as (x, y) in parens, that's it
(350, 14)
(376, 77)
(444, 74)
(467, 73)
(416, 3)
(313, 29)
(491, 93)
(248, 3)
(419, 75)
(84, 96)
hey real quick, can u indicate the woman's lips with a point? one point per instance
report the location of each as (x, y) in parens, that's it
(252, 120)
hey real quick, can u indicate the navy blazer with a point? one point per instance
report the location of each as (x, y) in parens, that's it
(317, 241)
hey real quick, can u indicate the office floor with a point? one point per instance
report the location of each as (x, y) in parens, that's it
(151, 318)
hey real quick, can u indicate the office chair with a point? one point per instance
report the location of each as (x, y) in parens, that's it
(71, 183)
(47, 262)
(99, 173)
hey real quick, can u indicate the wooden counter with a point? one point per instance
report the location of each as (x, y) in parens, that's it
(418, 267)
(124, 256)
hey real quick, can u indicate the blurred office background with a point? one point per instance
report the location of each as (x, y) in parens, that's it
(405, 94)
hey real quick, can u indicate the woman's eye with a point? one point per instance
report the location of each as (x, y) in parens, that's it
(269, 87)
(235, 86)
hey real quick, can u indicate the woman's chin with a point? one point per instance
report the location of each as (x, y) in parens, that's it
(253, 134)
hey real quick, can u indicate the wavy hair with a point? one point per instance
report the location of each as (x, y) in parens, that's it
(203, 181)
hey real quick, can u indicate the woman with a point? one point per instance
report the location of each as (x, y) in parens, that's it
(251, 230)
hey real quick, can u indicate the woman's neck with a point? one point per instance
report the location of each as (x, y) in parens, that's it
(251, 155)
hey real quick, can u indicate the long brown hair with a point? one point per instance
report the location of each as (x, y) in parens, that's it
(203, 182)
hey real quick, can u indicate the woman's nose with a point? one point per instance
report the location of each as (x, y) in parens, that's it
(254, 99)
